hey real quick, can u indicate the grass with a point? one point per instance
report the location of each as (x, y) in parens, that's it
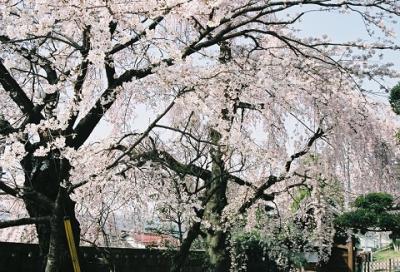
(386, 255)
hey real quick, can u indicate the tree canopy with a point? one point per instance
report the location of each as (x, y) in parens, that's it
(373, 212)
(238, 102)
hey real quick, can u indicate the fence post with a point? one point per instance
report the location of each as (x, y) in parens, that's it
(390, 265)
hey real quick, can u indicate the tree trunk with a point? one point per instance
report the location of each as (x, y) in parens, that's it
(181, 256)
(45, 175)
(216, 235)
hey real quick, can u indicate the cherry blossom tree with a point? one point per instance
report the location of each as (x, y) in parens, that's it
(243, 97)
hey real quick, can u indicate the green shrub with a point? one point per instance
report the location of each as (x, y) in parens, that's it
(394, 98)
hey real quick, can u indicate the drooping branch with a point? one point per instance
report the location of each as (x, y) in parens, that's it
(85, 127)
(170, 162)
(132, 74)
(260, 193)
(24, 221)
(144, 134)
(127, 151)
(230, 26)
(318, 134)
(50, 99)
(271, 180)
(184, 132)
(167, 160)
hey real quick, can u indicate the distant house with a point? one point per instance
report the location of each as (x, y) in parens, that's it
(374, 240)
(134, 239)
(126, 239)
(146, 240)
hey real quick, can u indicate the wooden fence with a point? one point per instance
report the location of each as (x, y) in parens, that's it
(16, 257)
(391, 265)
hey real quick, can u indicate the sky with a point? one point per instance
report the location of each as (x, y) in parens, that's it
(342, 27)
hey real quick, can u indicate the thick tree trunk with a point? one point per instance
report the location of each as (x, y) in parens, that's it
(216, 238)
(56, 254)
(58, 257)
(45, 175)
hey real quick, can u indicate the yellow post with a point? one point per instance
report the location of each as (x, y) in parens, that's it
(350, 255)
(71, 244)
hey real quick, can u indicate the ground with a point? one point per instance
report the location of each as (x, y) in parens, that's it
(386, 255)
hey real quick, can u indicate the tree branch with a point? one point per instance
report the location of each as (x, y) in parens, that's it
(120, 47)
(318, 134)
(18, 95)
(24, 221)
(80, 80)
(260, 192)
(86, 125)
(28, 194)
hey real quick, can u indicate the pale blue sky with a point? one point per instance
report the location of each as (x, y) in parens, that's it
(347, 27)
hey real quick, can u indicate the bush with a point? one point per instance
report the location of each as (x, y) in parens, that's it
(394, 98)
(250, 253)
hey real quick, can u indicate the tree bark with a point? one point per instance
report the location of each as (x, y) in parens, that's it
(181, 256)
(216, 235)
(47, 176)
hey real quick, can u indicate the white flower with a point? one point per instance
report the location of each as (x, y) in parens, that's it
(41, 151)
(59, 143)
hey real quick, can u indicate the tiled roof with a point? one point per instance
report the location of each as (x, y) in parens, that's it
(155, 240)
